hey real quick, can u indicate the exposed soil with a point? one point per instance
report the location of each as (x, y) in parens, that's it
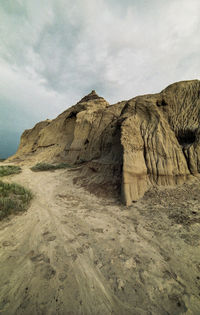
(75, 253)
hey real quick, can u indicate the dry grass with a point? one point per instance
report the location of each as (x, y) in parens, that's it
(40, 167)
(13, 198)
(6, 170)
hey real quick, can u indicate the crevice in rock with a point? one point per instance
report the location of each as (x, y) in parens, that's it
(72, 115)
(46, 146)
(187, 160)
(161, 103)
(186, 137)
(86, 142)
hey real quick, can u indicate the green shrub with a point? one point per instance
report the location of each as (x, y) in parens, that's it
(13, 198)
(6, 170)
(48, 167)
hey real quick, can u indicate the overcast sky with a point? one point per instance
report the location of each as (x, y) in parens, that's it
(53, 52)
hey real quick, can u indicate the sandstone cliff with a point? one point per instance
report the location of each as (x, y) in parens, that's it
(147, 140)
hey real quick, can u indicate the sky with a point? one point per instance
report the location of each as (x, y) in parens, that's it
(53, 52)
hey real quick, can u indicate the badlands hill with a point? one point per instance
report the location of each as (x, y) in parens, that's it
(132, 145)
(76, 253)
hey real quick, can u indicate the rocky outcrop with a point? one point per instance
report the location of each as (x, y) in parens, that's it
(148, 140)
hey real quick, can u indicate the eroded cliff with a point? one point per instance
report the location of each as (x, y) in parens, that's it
(148, 140)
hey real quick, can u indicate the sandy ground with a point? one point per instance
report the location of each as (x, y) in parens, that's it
(74, 253)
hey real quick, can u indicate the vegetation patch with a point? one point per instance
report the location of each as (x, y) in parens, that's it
(14, 198)
(6, 170)
(39, 167)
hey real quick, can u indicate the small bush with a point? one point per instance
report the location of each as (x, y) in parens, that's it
(39, 167)
(13, 198)
(6, 170)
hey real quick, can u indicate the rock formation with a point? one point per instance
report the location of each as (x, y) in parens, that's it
(147, 140)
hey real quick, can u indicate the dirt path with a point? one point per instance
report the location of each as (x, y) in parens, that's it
(74, 253)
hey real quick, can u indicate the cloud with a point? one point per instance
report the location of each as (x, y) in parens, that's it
(53, 52)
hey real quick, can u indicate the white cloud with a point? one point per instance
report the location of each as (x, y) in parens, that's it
(25, 90)
(53, 52)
